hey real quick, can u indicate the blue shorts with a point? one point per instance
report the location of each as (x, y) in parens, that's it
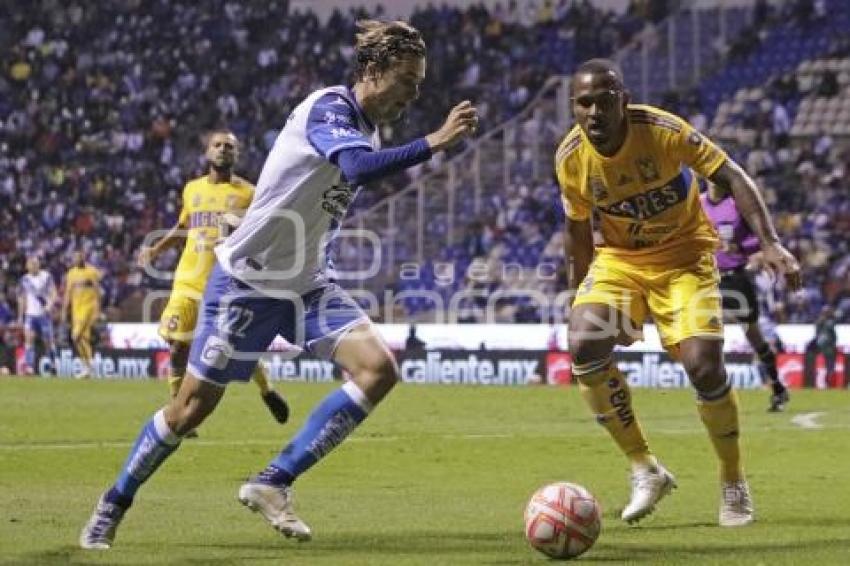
(238, 323)
(41, 325)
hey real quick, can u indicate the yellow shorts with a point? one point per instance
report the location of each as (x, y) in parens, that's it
(180, 316)
(82, 322)
(683, 300)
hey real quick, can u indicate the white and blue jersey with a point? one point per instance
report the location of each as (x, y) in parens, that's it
(300, 197)
(37, 290)
(272, 276)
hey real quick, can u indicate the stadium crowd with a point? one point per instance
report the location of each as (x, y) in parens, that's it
(102, 112)
(103, 108)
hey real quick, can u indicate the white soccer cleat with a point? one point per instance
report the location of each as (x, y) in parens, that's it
(736, 507)
(99, 532)
(275, 504)
(648, 488)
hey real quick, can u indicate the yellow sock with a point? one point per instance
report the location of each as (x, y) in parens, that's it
(260, 378)
(84, 349)
(174, 382)
(608, 395)
(720, 418)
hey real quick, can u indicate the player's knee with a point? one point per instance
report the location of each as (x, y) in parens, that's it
(705, 373)
(386, 370)
(378, 368)
(584, 351)
(183, 415)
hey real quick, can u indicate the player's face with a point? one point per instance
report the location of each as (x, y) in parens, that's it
(222, 150)
(79, 260)
(397, 87)
(33, 265)
(599, 106)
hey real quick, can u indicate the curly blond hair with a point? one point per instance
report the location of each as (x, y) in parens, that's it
(380, 44)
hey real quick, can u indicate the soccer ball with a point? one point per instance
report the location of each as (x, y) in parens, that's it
(562, 520)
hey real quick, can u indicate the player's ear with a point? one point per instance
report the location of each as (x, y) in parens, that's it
(627, 98)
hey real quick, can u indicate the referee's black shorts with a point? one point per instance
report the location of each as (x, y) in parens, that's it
(740, 303)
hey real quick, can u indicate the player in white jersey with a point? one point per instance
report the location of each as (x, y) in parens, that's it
(272, 278)
(35, 308)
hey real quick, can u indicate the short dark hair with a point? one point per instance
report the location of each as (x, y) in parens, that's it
(207, 138)
(603, 66)
(380, 44)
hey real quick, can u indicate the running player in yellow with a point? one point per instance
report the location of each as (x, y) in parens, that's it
(82, 295)
(631, 166)
(208, 201)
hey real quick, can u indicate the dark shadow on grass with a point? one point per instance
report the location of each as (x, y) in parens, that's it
(653, 552)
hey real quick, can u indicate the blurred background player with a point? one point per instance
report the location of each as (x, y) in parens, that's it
(36, 300)
(82, 299)
(329, 146)
(825, 342)
(632, 164)
(740, 303)
(206, 201)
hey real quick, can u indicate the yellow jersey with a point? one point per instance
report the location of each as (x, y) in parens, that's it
(646, 195)
(204, 204)
(82, 284)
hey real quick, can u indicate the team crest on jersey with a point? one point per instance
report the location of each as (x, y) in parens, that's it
(598, 188)
(647, 169)
(232, 202)
(196, 200)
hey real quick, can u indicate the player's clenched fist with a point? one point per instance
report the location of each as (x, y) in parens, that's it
(461, 122)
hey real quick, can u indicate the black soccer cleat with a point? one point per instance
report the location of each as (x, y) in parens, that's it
(778, 401)
(277, 405)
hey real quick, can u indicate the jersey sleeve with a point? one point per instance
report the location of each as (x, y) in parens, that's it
(575, 206)
(332, 126)
(697, 151)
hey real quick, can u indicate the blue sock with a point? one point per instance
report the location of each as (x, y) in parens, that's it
(29, 357)
(326, 427)
(156, 442)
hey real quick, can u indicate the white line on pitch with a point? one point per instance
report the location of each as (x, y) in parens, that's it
(368, 439)
(808, 420)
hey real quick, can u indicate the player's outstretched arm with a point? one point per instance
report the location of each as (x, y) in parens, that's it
(750, 203)
(360, 165)
(174, 237)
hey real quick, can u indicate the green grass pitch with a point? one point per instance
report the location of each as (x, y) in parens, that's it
(438, 475)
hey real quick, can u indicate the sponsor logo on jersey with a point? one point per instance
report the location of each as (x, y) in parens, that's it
(339, 133)
(653, 202)
(204, 219)
(334, 118)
